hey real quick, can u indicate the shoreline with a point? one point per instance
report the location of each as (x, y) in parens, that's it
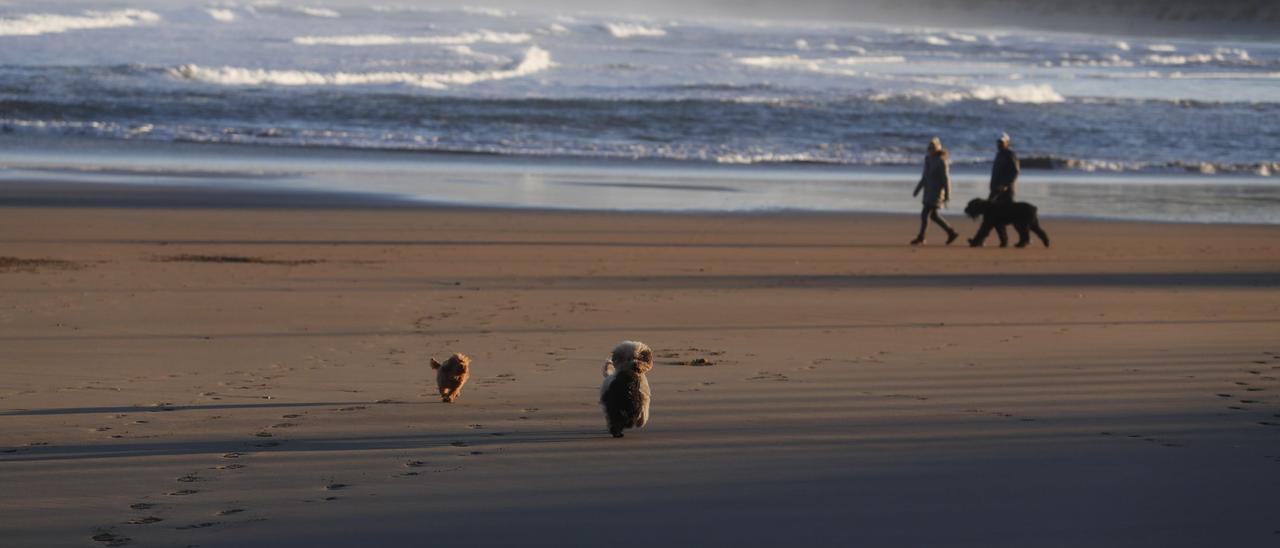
(44, 144)
(75, 194)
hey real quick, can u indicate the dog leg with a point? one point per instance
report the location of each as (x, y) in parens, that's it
(1024, 237)
(1040, 233)
(1003, 234)
(981, 236)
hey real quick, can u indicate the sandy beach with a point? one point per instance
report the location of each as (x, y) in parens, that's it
(184, 376)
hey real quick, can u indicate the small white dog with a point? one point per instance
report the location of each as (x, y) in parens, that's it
(625, 390)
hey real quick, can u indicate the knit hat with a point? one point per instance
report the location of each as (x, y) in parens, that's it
(1004, 138)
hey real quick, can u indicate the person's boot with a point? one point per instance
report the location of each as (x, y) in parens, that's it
(918, 241)
(951, 237)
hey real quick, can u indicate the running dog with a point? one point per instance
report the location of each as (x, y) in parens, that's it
(451, 375)
(625, 390)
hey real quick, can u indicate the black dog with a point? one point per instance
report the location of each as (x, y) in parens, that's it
(997, 215)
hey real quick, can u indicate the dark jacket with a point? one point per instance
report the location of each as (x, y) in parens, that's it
(1004, 173)
(935, 182)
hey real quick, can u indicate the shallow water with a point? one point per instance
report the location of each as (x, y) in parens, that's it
(631, 185)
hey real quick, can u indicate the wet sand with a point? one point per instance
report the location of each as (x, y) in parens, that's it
(258, 377)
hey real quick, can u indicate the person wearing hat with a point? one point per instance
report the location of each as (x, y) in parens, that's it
(1004, 171)
(935, 183)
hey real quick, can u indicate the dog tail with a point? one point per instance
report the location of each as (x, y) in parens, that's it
(435, 364)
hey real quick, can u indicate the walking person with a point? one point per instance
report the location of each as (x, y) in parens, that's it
(1004, 171)
(935, 183)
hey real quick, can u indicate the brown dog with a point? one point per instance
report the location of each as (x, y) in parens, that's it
(451, 375)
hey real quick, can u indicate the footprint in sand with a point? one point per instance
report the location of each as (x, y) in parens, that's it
(283, 425)
(144, 521)
(769, 376)
(352, 408)
(459, 444)
(190, 478)
(142, 506)
(184, 492)
(229, 511)
(335, 486)
(232, 455)
(290, 416)
(201, 525)
(228, 467)
(263, 434)
(1161, 442)
(111, 539)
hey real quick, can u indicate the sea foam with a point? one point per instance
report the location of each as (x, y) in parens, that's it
(46, 23)
(535, 60)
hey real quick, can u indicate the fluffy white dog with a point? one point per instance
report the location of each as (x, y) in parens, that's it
(625, 390)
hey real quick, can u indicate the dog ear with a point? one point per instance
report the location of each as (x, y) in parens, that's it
(646, 356)
(608, 368)
(435, 364)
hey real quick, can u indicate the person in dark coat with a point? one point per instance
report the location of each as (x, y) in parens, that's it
(935, 183)
(1004, 172)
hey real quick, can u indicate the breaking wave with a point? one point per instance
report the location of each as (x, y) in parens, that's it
(535, 60)
(1029, 93)
(633, 30)
(830, 66)
(221, 15)
(1219, 55)
(46, 23)
(279, 9)
(482, 36)
(487, 12)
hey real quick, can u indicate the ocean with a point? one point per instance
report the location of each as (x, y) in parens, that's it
(635, 112)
